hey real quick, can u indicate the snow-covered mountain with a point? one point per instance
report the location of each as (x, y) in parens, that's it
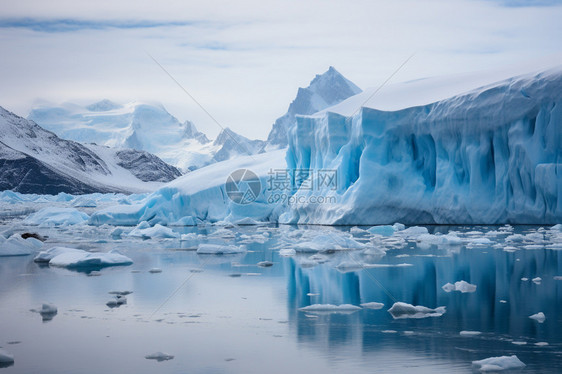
(137, 125)
(324, 91)
(34, 160)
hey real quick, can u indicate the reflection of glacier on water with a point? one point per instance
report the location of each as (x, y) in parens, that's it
(244, 316)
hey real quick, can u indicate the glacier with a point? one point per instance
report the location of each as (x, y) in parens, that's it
(488, 155)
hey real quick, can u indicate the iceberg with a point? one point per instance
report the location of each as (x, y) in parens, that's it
(15, 245)
(76, 258)
(487, 156)
(400, 310)
(157, 231)
(56, 217)
(539, 317)
(461, 286)
(499, 363)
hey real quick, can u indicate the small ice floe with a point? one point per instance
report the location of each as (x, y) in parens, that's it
(157, 232)
(15, 245)
(287, 252)
(328, 242)
(159, 356)
(47, 311)
(155, 271)
(329, 308)
(519, 342)
(84, 202)
(524, 279)
(372, 305)
(77, 258)
(53, 216)
(469, 333)
(384, 230)
(557, 277)
(541, 344)
(94, 273)
(461, 286)
(443, 240)
(117, 302)
(116, 233)
(479, 242)
(539, 317)
(265, 264)
(218, 249)
(503, 301)
(537, 280)
(357, 231)
(400, 310)
(499, 363)
(412, 232)
(389, 331)
(312, 294)
(401, 265)
(509, 249)
(6, 358)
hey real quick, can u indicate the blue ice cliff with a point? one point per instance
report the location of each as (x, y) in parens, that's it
(489, 155)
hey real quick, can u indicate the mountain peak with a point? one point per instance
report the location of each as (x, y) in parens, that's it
(103, 106)
(324, 90)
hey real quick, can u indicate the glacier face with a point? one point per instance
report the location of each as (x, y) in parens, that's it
(492, 155)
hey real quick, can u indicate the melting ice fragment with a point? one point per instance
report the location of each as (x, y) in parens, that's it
(400, 310)
(77, 258)
(499, 363)
(461, 286)
(539, 317)
(330, 308)
(218, 249)
(372, 305)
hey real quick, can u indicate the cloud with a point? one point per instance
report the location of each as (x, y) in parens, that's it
(243, 61)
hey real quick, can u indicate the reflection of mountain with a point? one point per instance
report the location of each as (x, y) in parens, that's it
(498, 277)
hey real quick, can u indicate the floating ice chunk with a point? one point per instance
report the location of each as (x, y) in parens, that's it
(158, 231)
(17, 246)
(117, 302)
(389, 331)
(265, 264)
(524, 279)
(287, 252)
(372, 305)
(479, 242)
(515, 238)
(330, 308)
(399, 226)
(247, 221)
(84, 202)
(400, 310)
(461, 286)
(47, 311)
(557, 227)
(503, 301)
(439, 239)
(509, 248)
(6, 357)
(519, 342)
(499, 363)
(325, 242)
(470, 333)
(117, 232)
(218, 249)
(557, 277)
(53, 216)
(155, 271)
(120, 293)
(541, 344)
(539, 317)
(413, 232)
(384, 230)
(77, 258)
(159, 356)
(537, 280)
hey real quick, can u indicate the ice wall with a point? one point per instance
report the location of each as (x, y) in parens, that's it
(493, 155)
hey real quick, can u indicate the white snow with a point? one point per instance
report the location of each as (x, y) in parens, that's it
(77, 258)
(499, 363)
(400, 310)
(57, 217)
(539, 317)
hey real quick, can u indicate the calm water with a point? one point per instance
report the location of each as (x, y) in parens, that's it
(224, 314)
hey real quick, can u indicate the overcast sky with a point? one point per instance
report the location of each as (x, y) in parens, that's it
(244, 60)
